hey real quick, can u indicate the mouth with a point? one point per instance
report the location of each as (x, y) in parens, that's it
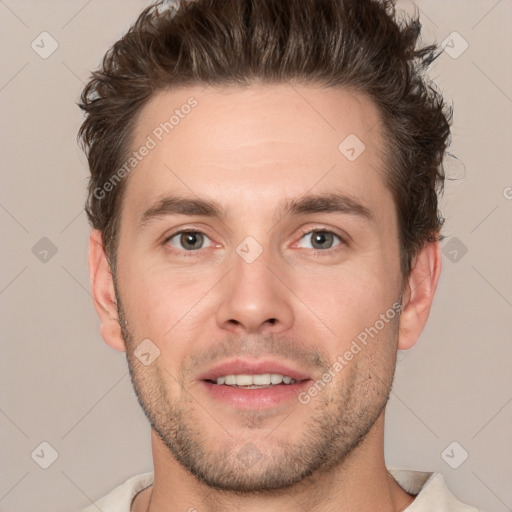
(254, 384)
(247, 381)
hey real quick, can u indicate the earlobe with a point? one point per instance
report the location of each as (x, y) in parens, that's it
(102, 287)
(419, 294)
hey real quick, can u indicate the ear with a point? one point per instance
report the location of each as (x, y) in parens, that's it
(102, 287)
(419, 294)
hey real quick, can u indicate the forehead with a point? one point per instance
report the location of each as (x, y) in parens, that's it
(247, 145)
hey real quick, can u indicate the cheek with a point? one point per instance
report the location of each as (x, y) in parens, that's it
(368, 358)
(167, 307)
(332, 304)
(345, 301)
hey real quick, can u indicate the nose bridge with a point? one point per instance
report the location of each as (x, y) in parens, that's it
(253, 298)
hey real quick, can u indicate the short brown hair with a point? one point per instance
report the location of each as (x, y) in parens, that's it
(357, 44)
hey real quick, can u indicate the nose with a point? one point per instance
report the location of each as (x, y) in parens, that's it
(254, 298)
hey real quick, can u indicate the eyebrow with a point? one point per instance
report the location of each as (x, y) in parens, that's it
(313, 203)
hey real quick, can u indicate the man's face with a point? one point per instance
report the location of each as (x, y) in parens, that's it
(288, 288)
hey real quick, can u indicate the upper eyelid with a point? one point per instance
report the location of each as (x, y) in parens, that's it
(167, 238)
(320, 230)
(303, 233)
(184, 230)
(343, 239)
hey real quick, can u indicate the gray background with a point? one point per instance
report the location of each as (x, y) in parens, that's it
(61, 384)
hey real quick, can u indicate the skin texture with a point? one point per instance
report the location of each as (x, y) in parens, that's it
(249, 150)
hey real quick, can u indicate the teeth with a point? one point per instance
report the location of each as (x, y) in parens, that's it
(243, 380)
(265, 379)
(230, 380)
(260, 380)
(275, 378)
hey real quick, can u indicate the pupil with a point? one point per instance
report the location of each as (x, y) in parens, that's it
(191, 239)
(322, 238)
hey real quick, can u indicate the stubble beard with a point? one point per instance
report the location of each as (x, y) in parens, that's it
(344, 413)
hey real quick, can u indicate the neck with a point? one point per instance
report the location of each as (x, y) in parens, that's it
(360, 482)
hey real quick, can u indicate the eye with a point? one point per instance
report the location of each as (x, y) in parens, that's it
(321, 239)
(188, 240)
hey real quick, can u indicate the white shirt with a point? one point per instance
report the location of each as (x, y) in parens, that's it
(430, 490)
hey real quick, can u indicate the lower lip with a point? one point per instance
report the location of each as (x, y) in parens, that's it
(262, 398)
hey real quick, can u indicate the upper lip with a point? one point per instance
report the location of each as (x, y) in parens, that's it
(252, 367)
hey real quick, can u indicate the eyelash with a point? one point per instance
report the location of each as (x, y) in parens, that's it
(325, 252)
(316, 252)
